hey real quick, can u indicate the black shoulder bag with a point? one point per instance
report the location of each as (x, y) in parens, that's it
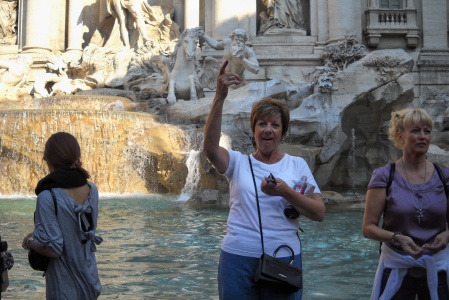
(272, 271)
(38, 261)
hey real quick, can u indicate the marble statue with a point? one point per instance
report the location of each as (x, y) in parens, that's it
(56, 72)
(240, 56)
(128, 12)
(282, 14)
(184, 82)
(8, 16)
(13, 74)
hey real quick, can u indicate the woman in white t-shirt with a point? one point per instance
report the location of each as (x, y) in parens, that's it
(241, 247)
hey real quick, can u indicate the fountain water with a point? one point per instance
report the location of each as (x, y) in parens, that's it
(125, 151)
(352, 160)
(193, 163)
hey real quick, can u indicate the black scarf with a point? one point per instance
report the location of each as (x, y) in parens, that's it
(61, 178)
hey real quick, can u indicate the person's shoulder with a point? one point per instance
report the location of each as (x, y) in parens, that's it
(383, 171)
(444, 170)
(298, 159)
(45, 194)
(45, 198)
(93, 186)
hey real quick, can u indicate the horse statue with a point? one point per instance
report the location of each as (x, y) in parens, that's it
(183, 80)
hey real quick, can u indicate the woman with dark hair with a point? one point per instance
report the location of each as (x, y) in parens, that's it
(276, 176)
(66, 232)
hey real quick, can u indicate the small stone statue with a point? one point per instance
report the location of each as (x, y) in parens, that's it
(240, 56)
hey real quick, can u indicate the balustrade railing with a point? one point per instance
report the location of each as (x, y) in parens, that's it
(392, 18)
(391, 22)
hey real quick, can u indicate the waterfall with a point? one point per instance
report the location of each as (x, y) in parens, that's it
(125, 152)
(194, 142)
(353, 160)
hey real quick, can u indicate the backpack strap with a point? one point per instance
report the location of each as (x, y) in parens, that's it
(389, 182)
(391, 177)
(55, 203)
(441, 175)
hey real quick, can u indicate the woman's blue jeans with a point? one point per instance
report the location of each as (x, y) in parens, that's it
(236, 279)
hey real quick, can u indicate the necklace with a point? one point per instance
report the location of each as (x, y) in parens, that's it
(419, 212)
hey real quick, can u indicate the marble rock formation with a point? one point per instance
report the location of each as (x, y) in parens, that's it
(329, 129)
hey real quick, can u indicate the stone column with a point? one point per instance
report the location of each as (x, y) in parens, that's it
(178, 7)
(323, 21)
(227, 15)
(373, 4)
(410, 4)
(191, 13)
(313, 18)
(75, 27)
(433, 62)
(434, 19)
(341, 18)
(38, 25)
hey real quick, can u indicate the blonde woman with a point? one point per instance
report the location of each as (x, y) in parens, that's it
(414, 256)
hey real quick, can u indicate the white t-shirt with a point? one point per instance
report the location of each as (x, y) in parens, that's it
(243, 236)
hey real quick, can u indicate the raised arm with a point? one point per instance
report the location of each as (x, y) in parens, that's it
(217, 45)
(218, 156)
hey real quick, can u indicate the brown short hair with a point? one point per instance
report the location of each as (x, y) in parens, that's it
(63, 151)
(271, 107)
(402, 119)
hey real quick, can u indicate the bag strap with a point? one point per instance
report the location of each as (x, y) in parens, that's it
(55, 203)
(437, 168)
(289, 248)
(389, 182)
(257, 200)
(391, 177)
(441, 175)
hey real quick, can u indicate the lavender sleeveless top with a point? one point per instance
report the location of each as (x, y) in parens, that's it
(401, 209)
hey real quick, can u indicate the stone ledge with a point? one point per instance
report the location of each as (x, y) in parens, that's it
(213, 198)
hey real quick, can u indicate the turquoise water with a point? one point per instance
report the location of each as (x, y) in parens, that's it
(154, 248)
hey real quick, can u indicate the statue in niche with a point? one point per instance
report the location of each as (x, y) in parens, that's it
(129, 12)
(8, 17)
(158, 26)
(240, 56)
(283, 14)
(13, 75)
